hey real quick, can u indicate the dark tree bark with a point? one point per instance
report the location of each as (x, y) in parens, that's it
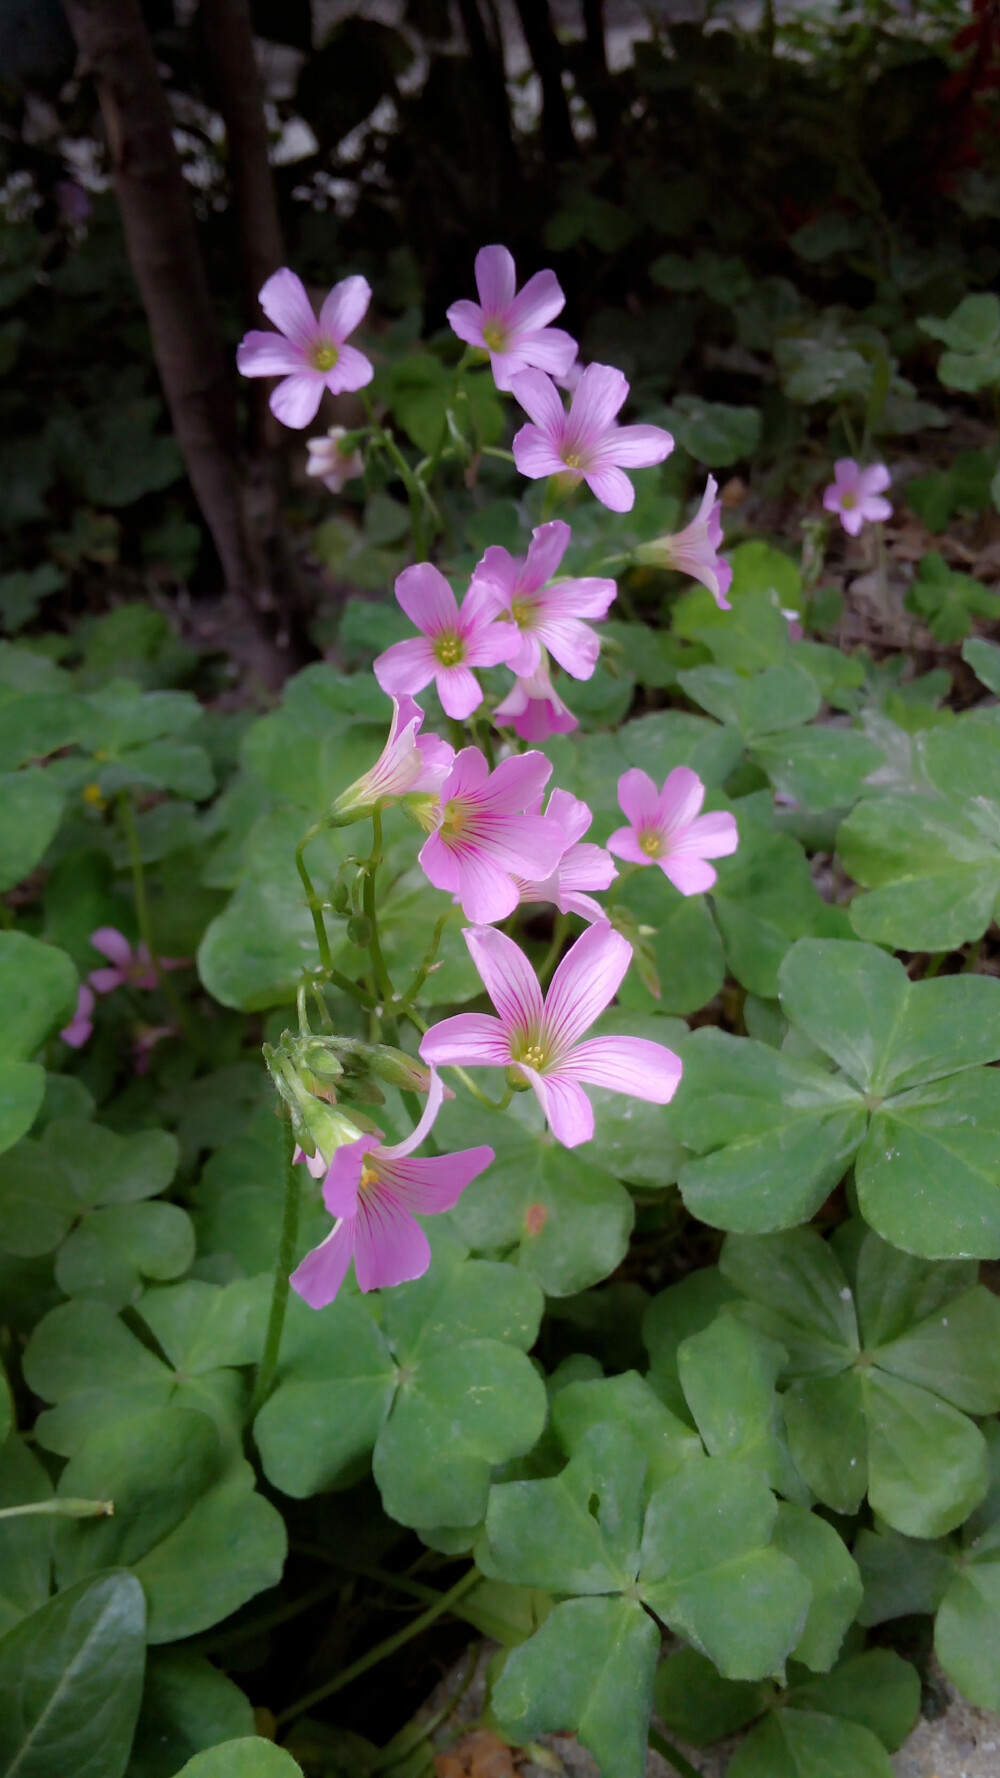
(543, 48)
(228, 30)
(598, 90)
(490, 81)
(163, 248)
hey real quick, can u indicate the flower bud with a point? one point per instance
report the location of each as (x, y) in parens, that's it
(359, 931)
(517, 1080)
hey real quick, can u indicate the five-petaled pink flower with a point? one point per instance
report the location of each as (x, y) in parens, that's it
(582, 866)
(695, 550)
(134, 967)
(542, 1039)
(452, 642)
(511, 327)
(534, 709)
(547, 616)
(376, 1193)
(667, 829)
(410, 764)
(327, 461)
(485, 839)
(311, 354)
(855, 494)
(586, 443)
(77, 1032)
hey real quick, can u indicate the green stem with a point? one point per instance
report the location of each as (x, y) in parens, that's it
(626, 871)
(313, 902)
(934, 965)
(673, 1755)
(279, 1295)
(495, 451)
(428, 960)
(166, 987)
(971, 963)
(382, 977)
(65, 1508)
(554, 951)
(484, 740)
(383, 1650)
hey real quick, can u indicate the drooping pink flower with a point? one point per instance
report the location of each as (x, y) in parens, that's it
(695, 550)
(77, 1032)
(333, 466)
(542, 1038)
(376, 1194)
(485, 839)
(582, 866)
(310, 353)
(547, 616)
(665, 828)
(410, 764)
(144, 1043)
(585, 444)
(855, 494)
(134, 967)
(512, 326)
(534, 709)
(451, 644)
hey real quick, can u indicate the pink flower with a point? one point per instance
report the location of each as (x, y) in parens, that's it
(856, 494)
(534, 709)
(451, 644)
(542, 1039)
(410, 764)
(134, 967)
(695, 550)
(81, 1024)
(375, 1193)
(329, 462)
(666, 828)
(309, 354)
(485, 839)
(546, 615)
(581, 867)
(585, 444)
(512, 327)
(144, 1042)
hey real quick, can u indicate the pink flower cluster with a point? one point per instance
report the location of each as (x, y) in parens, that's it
(131, 967)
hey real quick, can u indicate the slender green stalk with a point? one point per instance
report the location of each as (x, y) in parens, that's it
(313, 901)
(141, 900)
(673, 1754)
(382, 976)
(934, 964)
(279, 1295)
(64, 1508)
(428, 960)
(382, 1651)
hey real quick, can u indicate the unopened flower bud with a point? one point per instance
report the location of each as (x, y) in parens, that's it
(339, 898)
(516, 1080)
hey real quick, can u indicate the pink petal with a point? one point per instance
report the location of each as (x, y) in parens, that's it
(624, 843)
(574, 646)
(874, 480)
(427, 599)
(344, 309)
(626, 1065)
(468, 775)
(390, 1247)
(875, 509)
(679, 800)
(539, 398)
(611, 487)
(471, 1039)
(689, 875)
(831, 497)
(486, 889)
(565, 1104)
(406, 666)
(548, 545)
(588, 597)
(351, 371)
(437, 1182)
(508, 978)
(466, 320)
(105, 981)
(585, 982)
(322, 1272)
(112, 944)
(496, 280)
(528, 658)
(600, 393)
(459, 690)
(587, 866)
(495, 576)
(540, 301)
(400, 1150)
(535, 456)
(525, 845)
(638, 798)
(295, 402)
(548, 349)
(541, 718)
(636, 447)
(267, 355)
(284, 301)
(516, 782)
(846, 474)
(709, 836)
(572, 815)
(852, 520)
(343, 1176)
(492, 644)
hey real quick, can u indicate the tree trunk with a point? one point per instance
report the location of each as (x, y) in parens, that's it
(164, 252)
(543, 48)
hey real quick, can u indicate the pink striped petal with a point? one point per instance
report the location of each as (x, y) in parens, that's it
(351, 371)
(295, 402)
(459, 690)
(466, 319)
(344, 309)
(322, 1272)
(390, 1247)
(572, 815)
(470, 1039)
(468, 775)
(516, 782)
(538, 303)
(624, 843)
(535, 454)
(496, 279)
(399, 1150)
(586, 866)
(709, 836)
(527, 659)
(626, 1065)
(638, 798)
(611, 487)
(508, 978)
(689, 875)
(549, 349)
(406, 667)
(575, 647)
(340, 1187)
(485, 888)
(262, 354)
(679, 800)
(548, 545)
(540, 400)
(601, 391)
(427, 599)
(565, 1104)
(637, 447)
(494, 577)
(492, 644)
(284, 301)
(436, 1183)
(589, 597)
(526, 845)
(585, 982)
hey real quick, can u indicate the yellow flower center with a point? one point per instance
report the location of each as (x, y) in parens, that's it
(456, 817)
(522, 611)
(448, 649)
(325, 356)
(494, 337)
(369, 1177)
(651, 843)
(533, 1055)
(848, 501)
(572, 460)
